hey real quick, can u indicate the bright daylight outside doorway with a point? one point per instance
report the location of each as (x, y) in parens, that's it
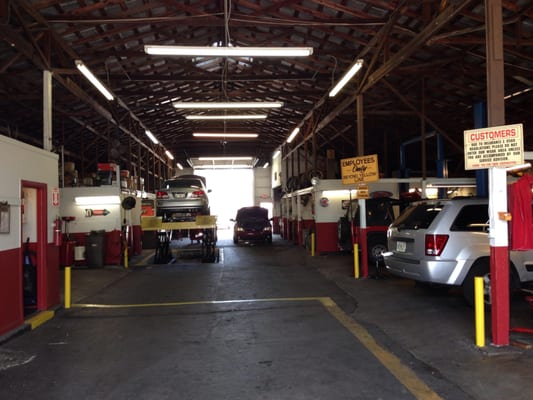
(231, 189)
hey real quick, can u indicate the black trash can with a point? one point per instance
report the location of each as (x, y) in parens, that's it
(95, 249)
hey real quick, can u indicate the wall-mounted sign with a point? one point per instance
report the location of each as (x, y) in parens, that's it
(91, 213)
(324, 201)
(360, 169)
(497, 146)
(55, 197)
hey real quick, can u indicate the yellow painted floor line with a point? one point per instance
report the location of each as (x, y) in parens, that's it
(393, 364)
(40, 318)
(404, 374)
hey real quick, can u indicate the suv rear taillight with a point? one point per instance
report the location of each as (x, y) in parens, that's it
(162, 195)
(435, 244)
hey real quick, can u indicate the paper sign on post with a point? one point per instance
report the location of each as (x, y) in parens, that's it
(497, 146)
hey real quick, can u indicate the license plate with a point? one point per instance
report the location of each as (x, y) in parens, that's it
(400, 247)
(179, 195)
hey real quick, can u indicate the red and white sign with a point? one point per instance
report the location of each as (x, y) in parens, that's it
(497, 146)
(55, 197)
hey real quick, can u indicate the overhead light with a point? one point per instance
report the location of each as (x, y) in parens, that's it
(266, 165)
(169, 154)
(189, 161)
(225, 158)
(230, 51)
(96, 200)
(347, 76)
(276, 153)
(94, 80)
(225, 135)
(231, 104)
(293, 135)
(234, 116)
(179, 165)
(152, 137)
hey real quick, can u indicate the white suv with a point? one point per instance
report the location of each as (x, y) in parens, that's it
(446, 242)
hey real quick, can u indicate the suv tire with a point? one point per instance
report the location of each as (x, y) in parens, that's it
(482, 268)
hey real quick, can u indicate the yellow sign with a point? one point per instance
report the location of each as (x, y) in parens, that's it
(360, 169)
(362, 191)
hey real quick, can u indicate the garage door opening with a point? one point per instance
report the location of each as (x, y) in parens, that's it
(231, 189)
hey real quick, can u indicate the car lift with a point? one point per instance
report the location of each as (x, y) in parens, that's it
(204, 223)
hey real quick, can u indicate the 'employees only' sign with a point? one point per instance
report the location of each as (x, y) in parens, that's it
(497, 146)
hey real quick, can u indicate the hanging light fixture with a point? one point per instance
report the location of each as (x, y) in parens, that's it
(226, 135)
(347, 76)
(229, 51)
(151, 136)
(293, 134)
(230, 116)
(231, 104)
(93, 79)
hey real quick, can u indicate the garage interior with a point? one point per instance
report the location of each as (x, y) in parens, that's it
(426, 75)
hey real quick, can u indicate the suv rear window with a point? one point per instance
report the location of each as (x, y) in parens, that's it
(419, 216)
(472, 218)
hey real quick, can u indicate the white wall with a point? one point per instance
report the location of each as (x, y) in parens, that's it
(18, 162)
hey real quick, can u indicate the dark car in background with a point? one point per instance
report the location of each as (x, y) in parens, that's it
(182, 198)
(252, 223)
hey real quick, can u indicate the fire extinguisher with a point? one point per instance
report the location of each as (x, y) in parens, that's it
(57, 232)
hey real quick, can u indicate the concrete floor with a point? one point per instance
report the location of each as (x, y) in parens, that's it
(266, 322)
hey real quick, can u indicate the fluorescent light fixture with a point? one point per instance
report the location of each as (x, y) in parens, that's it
(293, 135)
(94, 80)
(225, 135)
(231, 104)
(189, 161)
(152, 137)
(276, 153)
(266, 165)
(179, 165)
(234, 116)
(169, 154)
(230, 51)
(96, 200)
(225, 158)
(347, 76)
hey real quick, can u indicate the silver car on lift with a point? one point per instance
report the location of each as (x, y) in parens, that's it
(182, 198)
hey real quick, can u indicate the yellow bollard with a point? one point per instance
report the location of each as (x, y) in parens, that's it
(67, 287)
(480, 311)
(126, 257)
(356, 261)
(312, 244)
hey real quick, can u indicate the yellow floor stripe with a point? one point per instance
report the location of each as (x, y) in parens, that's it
(402, 373)
(40, 318)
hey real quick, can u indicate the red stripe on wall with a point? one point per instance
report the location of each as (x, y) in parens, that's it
(12, 315)
(326, 237)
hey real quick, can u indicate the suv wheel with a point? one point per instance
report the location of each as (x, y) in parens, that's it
(376, 246)
(482, 268)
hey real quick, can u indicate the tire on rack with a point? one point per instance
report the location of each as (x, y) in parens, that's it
(482, 268)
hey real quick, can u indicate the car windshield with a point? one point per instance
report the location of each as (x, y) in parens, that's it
(249, 214)
(419, 216)
(182, 183)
